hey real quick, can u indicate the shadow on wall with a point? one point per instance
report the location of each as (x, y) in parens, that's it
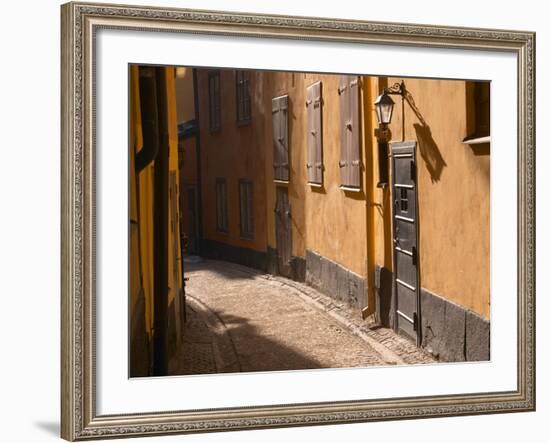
(427, 146)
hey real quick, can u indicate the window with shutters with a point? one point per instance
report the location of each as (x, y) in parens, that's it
(222, 224)
(246, 208)
(482, 102)
(279, 111)
(314, 103)
(214, 96)
(479, 119)
(243, 97)
(350, 131)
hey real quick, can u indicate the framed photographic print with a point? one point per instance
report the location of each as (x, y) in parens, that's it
(283, 221)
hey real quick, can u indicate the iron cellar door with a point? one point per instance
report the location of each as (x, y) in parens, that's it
(406, 275)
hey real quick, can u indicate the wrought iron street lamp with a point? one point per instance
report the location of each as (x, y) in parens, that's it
(384, 110)
(384, 103)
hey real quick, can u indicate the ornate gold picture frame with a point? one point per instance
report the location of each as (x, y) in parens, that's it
(80, 23)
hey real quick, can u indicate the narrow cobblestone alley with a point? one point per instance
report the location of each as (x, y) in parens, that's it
(241, 320)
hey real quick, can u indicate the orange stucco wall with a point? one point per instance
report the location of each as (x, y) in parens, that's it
(325, 219)
(141, 224)
(355, 228)
(328, 220)
(453, 191)
(235, 152)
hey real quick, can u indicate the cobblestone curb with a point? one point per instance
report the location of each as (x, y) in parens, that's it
(223, 350)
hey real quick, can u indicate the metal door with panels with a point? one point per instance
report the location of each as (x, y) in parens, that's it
(406, 281)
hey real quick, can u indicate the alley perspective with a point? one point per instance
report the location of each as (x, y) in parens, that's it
(290, 220)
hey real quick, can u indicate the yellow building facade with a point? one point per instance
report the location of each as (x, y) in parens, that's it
(156, 275)
(339, 237)
(293, 174)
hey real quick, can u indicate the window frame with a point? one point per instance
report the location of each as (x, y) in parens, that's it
(242, 96)
(246, 208)
(482, 99)
(351, 163)
(481, 132)
(315, 155)
(214, 101)
(279, 119)
(222, 209)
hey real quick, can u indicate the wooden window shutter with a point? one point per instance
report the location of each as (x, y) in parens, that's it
(225, 214)
(246, 208)
(345, 125)
(217, 104)
(243, 98)
(222, 219)
(246, 97)
(310, 136)
(355, 145)
(239, 94)
(350, 153)
(276, 151)
(314, 103)
(218, 206)
(279, 109)
(283, 126)
(211, 100)
(215, 100)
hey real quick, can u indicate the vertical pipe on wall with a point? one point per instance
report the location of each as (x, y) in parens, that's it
(370, 143)
(160, 232)
(198, 159)
(403, 116)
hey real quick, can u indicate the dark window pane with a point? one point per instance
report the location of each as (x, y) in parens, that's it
(246, 209)
(221, 205)
(404, 203)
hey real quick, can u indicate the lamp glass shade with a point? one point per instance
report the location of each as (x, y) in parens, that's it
(384, 108)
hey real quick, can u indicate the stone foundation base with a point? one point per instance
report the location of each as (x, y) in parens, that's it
(449, 331)
(336, 281)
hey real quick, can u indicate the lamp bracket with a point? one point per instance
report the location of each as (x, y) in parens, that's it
(382, 133)
(395, 89)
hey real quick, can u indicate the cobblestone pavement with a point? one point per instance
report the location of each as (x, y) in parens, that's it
(196, 355)
(242, 320)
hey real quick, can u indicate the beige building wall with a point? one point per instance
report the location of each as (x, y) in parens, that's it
(185, 110)
(327, 219)
(233, 152)
(185, 94)
(187, 156)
